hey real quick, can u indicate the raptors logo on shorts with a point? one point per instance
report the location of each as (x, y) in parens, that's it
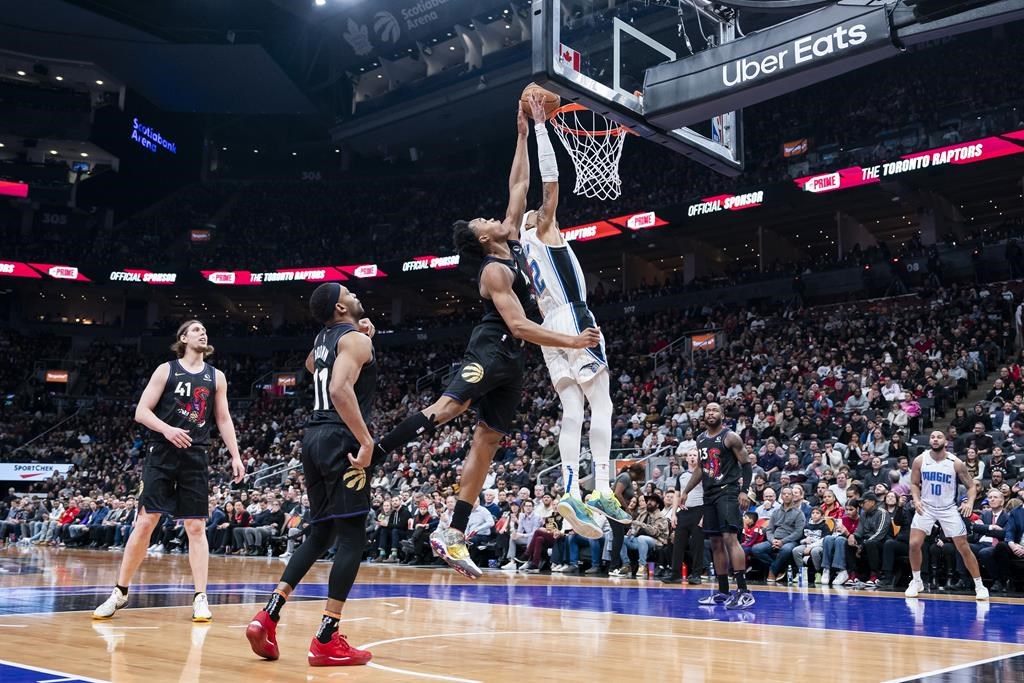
(355, 478)
(473, 373)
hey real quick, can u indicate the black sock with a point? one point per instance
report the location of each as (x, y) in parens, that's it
(741, 579)
(460, 516)
(274, 605)
(328, 627)
(123, 589)
(411, 427)
(723, 583)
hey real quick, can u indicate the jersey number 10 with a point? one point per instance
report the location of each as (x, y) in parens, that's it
(320, 401)
(936, 490)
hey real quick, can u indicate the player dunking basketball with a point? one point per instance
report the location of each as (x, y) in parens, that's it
(577, 374)
(344, 382)
(491, 376)
(177, 407)
(725, 471)
(933, 484)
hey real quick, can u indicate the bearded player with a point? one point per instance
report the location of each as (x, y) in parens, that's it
(577, 374)
(177, 407)
(491, 377)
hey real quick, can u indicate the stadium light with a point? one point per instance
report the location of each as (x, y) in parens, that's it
(53, 151)
(319, 3)
(60, 78)
(99, 82)
(84, 154)
(20, 72)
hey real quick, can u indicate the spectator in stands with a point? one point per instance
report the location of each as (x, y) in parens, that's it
(785, 529)
(874, 529)
(833, 555)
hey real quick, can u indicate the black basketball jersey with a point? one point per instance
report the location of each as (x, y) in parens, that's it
(718, 462)
(521, 285)
(187, 401)
(325, 352)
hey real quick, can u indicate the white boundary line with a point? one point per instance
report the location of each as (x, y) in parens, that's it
(63, 675)
(957, 667)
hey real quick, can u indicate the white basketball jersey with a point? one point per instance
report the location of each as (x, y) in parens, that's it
(938, 481)
(557, 276)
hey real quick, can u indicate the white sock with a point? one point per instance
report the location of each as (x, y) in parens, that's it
(917, 576)
(597, 392)
(570, 435)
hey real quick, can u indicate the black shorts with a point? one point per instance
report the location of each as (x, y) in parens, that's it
(722, 512)
(335, 488)
(491, 376)
(175, 481)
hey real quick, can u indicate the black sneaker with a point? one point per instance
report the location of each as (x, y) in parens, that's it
(740, 600)
(671, 579)
(693, 580)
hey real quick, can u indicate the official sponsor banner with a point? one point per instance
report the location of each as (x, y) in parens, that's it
(431, 263)
(644, 220)
(245, 277)
(57, 376)
(768, 63)
(366, 270)
(959, 154)
(18, 471)
(726, 202)
(143, 276)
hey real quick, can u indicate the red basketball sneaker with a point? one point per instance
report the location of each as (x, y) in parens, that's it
(262, 635)
(336, 653)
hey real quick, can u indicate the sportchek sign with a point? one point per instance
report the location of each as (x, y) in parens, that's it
(17, 471)
(959, 154)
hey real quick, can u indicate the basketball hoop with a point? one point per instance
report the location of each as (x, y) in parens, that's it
(594, 143)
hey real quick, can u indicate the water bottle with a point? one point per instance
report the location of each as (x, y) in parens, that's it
(789, 574)
(686, 572)
(270, 550)
(803, 576)
(651, 570)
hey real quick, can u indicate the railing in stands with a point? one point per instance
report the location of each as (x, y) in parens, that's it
(47, 431)
(659, 355)
(276, 471)
(587, 455)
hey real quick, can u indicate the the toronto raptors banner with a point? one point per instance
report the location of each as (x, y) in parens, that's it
(768, 63)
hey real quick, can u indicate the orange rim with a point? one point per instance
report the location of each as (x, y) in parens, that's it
(571, 107)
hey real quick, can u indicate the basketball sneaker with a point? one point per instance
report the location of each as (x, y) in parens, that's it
(715, 598)
(740, 600)
(980, 593)
(201, 609)
(337, 652)
(608, 505)
(576, 513)
(450, 546)
(262, 635)
(914, 589)
(116, 601)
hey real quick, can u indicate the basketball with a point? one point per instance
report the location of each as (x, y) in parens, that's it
(551, 100)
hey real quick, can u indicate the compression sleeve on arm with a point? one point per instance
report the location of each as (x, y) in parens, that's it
(747, 472)
(545, 154)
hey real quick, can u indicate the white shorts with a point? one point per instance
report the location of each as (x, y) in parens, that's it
(578, 365)
(948, 518)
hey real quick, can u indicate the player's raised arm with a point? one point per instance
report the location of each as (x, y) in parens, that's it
(547, 226)
(518, 177)
(226, 427)
(145, 416)
(496, 284)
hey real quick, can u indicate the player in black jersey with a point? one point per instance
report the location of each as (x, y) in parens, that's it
(491, 376)
(344, 383)
(177, 407)
(725, 471)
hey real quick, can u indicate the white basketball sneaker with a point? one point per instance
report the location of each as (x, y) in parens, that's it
(916, 586)
(116, 601)
(201, 609)
(980, 593)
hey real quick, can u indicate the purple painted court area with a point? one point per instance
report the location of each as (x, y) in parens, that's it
(837, 611)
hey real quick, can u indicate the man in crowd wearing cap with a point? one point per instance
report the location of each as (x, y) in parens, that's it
(874, 530)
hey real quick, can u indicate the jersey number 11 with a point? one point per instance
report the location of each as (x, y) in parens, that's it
(320, 401)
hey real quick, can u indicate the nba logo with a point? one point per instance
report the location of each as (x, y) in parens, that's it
(717, 128)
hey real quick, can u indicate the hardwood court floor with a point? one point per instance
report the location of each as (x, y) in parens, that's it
(432, 625)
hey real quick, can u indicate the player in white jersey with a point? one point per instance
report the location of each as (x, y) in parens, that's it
(933, 483)
(577, 374)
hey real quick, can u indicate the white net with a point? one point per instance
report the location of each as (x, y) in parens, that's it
(594, 143)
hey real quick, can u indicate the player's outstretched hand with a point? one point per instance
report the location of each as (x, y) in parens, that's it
(366, 327)
(237, 470)
(522, 123)
(178, 437)
(363, 457)
(537, 107)
(588, 339)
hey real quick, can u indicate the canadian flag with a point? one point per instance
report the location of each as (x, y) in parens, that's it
(569, 57)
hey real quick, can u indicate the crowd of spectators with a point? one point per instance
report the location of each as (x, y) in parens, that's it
(829, 399)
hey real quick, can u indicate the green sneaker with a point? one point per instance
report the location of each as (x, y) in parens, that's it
(608, 505)
(576, 513)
